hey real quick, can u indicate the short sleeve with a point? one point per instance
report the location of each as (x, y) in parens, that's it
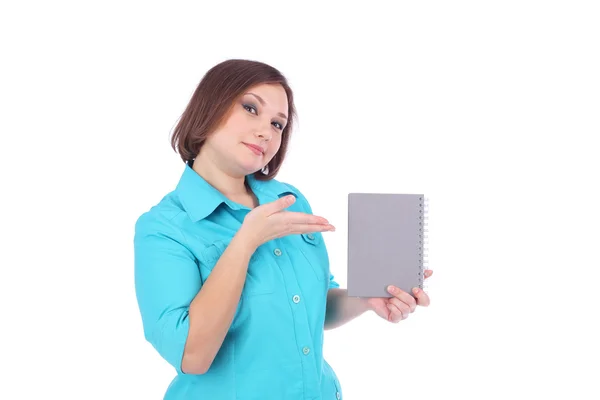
(167, 279)
(332, 282)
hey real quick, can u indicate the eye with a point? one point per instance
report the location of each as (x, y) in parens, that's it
(249, 108)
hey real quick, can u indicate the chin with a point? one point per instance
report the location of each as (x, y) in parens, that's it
(250, 169)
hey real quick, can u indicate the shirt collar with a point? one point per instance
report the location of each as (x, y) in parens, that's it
(199, 198)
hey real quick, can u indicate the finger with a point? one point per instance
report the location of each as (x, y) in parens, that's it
(396, 315)
(403, 307)
(403, 296)
(279, 204)
(294, 217)
(428, 273)
(303, 228)
(422, 297)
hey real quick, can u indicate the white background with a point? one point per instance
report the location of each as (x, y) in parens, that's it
(489, 108)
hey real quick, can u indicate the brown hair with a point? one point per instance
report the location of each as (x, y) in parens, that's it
(214, 98)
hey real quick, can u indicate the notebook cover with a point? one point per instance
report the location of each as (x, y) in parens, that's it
(385, 243)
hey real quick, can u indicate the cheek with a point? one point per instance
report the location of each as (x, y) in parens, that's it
(274, 145)
(218, 142)
(234, 128)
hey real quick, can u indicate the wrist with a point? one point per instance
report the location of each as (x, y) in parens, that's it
(246, 241)
(364, 304)
(361, 304)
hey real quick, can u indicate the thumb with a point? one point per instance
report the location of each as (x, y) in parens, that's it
(280, 204)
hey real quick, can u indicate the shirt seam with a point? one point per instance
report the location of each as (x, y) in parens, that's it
(182, 234)
(179, 229)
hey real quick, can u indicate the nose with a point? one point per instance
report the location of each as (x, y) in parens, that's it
(264, 133)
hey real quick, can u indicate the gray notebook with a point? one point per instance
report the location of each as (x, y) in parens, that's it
(386, 243)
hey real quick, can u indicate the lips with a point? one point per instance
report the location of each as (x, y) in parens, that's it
(256, 149)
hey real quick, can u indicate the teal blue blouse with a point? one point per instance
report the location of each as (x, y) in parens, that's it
(274, 347)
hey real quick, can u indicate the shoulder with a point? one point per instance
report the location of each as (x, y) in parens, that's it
(160, 218)
(292, 189)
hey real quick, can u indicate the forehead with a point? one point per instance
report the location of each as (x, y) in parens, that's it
(273, 95)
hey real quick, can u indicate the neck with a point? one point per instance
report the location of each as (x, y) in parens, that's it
(228, 184)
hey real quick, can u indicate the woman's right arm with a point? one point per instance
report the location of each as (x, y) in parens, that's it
(213, 308)
(184, 320)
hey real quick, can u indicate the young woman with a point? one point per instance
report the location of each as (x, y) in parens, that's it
(231, 270)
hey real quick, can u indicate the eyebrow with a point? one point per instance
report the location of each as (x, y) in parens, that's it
(263, 103)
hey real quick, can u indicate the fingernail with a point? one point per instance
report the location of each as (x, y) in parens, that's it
(416, 290)
(391, 289)
(332, 228)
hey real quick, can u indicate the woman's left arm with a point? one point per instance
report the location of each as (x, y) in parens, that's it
(342, 309)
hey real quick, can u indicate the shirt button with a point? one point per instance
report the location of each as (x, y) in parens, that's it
(338, 395)
(306, 350)
(296, 299)
(310, 236)
(277, 252)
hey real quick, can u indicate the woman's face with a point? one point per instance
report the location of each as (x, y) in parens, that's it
(251, 134)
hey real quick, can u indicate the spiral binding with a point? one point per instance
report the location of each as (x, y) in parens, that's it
(423, 236)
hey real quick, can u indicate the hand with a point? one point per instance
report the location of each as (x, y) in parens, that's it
(271, 220)
(399, 307)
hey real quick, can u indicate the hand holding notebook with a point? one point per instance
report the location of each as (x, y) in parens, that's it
(401, 305)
